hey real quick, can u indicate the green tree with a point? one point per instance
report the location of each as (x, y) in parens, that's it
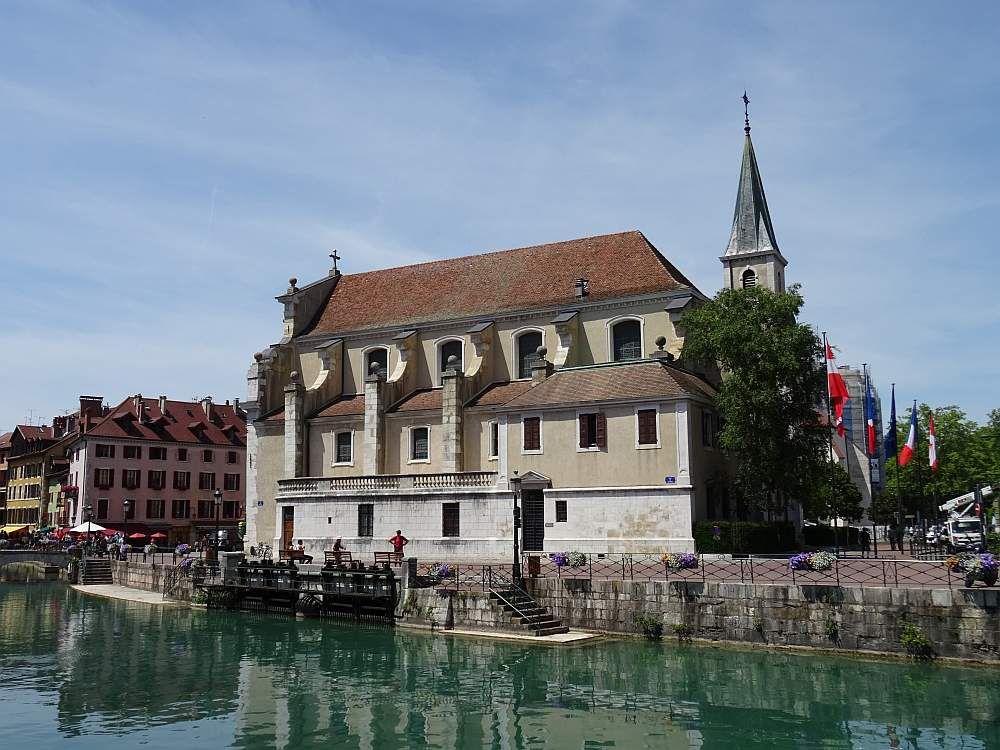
(773, 380)
(832, 495)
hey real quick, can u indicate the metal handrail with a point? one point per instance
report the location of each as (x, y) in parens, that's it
(511, 586)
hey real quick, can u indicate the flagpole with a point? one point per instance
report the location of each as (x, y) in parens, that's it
(916, 455)
(829, 419)
(899, 498)
(868, 448)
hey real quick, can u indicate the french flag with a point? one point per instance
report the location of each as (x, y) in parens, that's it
(932, 444)
(838, 389)
(910, 448)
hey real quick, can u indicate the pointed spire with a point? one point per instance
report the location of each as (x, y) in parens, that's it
(752, 231)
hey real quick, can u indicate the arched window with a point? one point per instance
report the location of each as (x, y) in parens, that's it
(451, 348)
(626, 340)
(527, 352)
(749, 278)
(379, 355)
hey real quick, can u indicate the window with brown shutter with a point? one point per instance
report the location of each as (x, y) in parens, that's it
(601, 430)
(182, 480)
(531, 427)
(647, 427)
(130, 479)
(104, 478)
(588, 430)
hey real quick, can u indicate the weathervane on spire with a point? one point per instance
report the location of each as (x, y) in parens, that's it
(746, 113)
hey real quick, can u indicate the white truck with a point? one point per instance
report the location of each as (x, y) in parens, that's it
(963, 530)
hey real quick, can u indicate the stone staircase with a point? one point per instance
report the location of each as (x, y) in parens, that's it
(95, 570)
(525, 612)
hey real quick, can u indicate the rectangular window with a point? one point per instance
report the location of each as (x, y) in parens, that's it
(182, 480)
(531, 427)
(231, 482)
(105, 451)
(588, 431)
(344, 448)
(181, 509)
(366, 519)
(706, 428)
(133, 452)
(206, 509)
(419, 440)
(156, 480)
(104, 478)
(230, 509)
(494, 439)
(158, 454)
(449, 520)
(130, 509)
(646, 425)
(131, 478)
(102, 508)
(207, 456)
(560, 511)
(232, 457)
(206, 480)
(182, 454)
(155, 509)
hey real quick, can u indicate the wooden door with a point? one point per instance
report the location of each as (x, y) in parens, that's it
(533, 515)
(287, 527)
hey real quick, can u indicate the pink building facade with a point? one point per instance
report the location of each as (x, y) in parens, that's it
(167, 459)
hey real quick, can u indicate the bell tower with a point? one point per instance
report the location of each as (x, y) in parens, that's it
(752, 257)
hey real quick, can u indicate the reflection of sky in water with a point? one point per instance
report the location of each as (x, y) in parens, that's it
(112, 675)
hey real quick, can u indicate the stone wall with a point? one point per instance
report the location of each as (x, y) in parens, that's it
(436, 608)
(963, 623)
(149, 577)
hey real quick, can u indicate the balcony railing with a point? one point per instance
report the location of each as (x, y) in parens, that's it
(322, 485)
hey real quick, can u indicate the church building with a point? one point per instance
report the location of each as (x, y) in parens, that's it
(410, 398)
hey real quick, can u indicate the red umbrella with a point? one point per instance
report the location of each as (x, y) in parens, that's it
(158, 535)
(137, 535)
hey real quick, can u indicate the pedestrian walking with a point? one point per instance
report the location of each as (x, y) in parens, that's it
(892, 538)
(866, 542)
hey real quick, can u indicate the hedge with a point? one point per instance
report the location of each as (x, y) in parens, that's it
(822, 536)
(744, 536)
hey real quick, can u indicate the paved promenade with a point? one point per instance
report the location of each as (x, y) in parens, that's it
(124, 593)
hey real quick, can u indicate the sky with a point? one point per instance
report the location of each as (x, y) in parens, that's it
(168, 166)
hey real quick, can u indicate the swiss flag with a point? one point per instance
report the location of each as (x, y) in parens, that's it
(838, 390)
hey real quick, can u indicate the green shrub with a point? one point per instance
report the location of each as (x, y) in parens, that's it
(744, 536)
(993, 543)
(822, 536)
(758, 624)
(682, 631)
(198, 596)
(651, 625)
(832, 629)
(916, 642)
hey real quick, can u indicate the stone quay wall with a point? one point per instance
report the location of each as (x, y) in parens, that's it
(149, 577)
(960, 623)
(440, 608)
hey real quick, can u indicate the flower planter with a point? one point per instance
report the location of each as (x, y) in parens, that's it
(975, 567)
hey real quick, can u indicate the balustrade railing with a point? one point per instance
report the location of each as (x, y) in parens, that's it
(320, 485)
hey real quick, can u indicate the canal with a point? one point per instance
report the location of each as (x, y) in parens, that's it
(82, 672)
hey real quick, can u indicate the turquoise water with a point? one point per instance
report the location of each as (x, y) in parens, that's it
(83, 672)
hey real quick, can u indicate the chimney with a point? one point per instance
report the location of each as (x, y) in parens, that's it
(91, 406)
(540, 368)
(582, 288)
(58, 426)
(163, 406)
(236, 405)
(206, 406)
(137, 405)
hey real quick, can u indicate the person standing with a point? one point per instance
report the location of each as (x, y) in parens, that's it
(398, 542)
(866, 542)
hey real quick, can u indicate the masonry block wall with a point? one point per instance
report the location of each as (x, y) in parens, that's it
(963, 623)
(148, 577)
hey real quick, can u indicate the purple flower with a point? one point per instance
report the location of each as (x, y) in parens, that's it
(988, 562)
(799, 561)
(559, 558)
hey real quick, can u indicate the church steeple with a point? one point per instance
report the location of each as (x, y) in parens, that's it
(752, 257)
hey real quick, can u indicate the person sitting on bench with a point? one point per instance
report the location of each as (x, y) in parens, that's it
(301, 553)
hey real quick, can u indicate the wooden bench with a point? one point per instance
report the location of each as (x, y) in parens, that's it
(292, 554)
(337, 558)
(390, 558)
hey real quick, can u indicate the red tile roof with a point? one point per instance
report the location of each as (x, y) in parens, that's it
(31, 432)
(615, 382)
(344, 406)
(500, 393)
(616, 265)
(5, 439)
(183, 422)
(429, 398)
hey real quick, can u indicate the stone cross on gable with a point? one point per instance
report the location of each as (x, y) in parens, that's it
(335, 257)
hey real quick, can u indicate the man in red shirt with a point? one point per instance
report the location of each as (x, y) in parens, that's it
(398, 542)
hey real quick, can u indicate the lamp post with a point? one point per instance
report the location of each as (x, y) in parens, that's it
(217, 495)
(515, 485)
(126, 504)
(88, 513)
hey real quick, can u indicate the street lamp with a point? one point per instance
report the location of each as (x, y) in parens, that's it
(217, 495)
(126, 504)
(515, 485)
(88, 514)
